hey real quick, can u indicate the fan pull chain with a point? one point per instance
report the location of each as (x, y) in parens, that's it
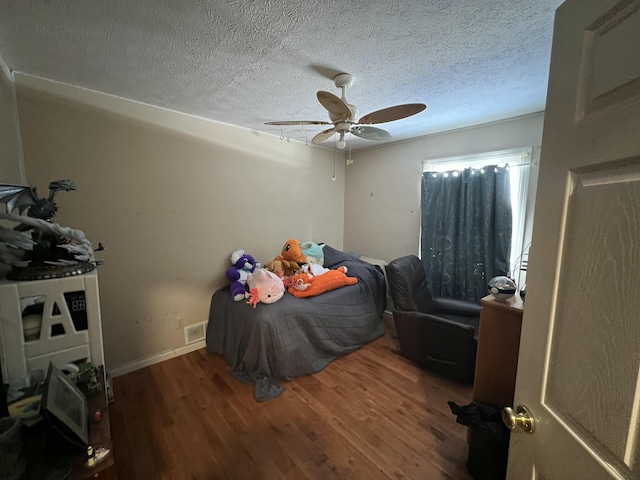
(281, 134)
(333, 178)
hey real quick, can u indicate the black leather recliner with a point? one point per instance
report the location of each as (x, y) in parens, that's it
(439, 333)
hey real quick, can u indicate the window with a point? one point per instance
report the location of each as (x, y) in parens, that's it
(518, 162)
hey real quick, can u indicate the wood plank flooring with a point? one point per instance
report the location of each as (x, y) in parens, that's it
(369, 415)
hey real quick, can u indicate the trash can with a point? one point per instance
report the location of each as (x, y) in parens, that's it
(488, 439)
(12, 463)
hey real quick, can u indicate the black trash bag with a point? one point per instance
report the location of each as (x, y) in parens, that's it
(488, 439)
(485, 416)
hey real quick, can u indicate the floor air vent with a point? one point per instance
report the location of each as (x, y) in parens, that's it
(194, 333)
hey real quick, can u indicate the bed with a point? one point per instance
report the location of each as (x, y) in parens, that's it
(297, 336)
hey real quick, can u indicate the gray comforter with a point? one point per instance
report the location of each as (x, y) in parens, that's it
(297, 336)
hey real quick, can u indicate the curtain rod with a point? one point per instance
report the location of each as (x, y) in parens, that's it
(495, 155)
(425, 166)
(476, 162)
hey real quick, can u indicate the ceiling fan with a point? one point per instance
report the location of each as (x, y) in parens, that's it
(343, 116)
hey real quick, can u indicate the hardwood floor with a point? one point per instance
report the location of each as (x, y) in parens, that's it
(369, 415)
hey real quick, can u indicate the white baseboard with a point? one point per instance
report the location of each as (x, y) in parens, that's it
(153, 359)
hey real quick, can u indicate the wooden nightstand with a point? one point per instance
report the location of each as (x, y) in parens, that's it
(498, 346)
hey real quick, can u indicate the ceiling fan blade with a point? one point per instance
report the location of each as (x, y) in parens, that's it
(371, 133)
(333, 104)
(299, 122)
(393, 113)
(322, 136)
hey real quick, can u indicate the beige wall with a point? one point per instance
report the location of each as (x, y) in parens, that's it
(171, 196)
(382, 188)
(10, 154)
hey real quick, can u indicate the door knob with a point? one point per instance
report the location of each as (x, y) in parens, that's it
(521, 417)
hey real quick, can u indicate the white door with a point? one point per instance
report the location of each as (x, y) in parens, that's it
(579, 364)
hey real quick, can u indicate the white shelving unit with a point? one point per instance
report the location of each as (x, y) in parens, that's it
(60, 345)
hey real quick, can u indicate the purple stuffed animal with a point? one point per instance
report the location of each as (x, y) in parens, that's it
(243, 265)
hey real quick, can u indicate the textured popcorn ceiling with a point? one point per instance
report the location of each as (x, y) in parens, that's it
(247, 62)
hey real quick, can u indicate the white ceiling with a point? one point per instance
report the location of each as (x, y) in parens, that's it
(247, 62)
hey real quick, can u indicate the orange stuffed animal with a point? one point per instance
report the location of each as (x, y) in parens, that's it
(283, 268)
(307, 285)
(292, 251)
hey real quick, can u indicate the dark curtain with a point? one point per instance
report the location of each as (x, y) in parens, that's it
(466, 230)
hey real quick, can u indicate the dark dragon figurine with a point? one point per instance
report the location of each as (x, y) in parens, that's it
(21, 198)
(36, 248)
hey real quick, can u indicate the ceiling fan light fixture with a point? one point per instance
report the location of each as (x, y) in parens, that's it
(343, 116)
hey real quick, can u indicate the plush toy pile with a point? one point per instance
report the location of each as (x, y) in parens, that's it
(294, 255)
(298, 267)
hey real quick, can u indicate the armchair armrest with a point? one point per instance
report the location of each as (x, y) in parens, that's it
(444, 326)
(442, 344)
(456, 306)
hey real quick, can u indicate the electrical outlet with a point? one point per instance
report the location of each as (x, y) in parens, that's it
(179, 323)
